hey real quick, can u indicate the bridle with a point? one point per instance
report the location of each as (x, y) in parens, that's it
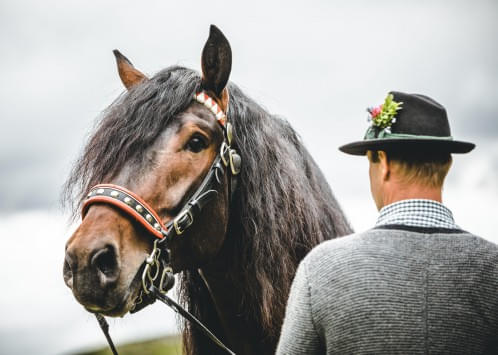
(157, 275)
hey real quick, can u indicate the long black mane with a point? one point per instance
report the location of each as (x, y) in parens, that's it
(283, 206)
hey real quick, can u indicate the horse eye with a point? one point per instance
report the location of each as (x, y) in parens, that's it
(196, 144)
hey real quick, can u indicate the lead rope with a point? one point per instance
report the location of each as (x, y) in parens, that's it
(105, 329)
(175, 307)
(160, 294)
(184, 313)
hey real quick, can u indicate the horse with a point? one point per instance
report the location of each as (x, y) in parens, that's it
(236, 263)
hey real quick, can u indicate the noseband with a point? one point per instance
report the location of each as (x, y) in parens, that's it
(157, 274)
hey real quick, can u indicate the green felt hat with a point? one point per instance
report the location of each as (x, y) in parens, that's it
(410, 122)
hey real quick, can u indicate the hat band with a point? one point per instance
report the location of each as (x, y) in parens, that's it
(372, 133)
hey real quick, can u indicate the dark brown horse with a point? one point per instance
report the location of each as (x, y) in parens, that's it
(238, 259)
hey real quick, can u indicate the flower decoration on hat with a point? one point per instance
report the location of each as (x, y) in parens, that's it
(383, 116)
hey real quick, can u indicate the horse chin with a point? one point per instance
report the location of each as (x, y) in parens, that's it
(118, 311)
(117, 306)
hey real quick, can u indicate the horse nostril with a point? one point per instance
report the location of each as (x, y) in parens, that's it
(68, 272)
(105, 261)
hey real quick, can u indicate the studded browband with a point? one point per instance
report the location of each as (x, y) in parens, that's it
(137, 208)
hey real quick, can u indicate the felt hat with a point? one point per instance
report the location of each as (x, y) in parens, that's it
(410, 122)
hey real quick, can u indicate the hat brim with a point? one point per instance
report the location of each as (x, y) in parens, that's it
(442, 145)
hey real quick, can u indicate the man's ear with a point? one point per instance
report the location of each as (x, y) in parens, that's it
(385, 167)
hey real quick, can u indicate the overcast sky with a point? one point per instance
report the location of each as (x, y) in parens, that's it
(319, 64)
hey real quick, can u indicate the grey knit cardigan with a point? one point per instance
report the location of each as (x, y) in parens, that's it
(395, 290)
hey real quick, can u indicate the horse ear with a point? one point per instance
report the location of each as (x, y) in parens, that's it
(127, 72)
(216, 63)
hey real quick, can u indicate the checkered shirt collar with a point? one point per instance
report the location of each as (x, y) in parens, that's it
(417, 213)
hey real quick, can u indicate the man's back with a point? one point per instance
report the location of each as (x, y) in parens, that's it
(396, 291)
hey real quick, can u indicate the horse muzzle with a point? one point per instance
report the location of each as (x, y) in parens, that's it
(93, 274)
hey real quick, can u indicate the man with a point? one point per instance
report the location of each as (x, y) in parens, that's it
(414, 284)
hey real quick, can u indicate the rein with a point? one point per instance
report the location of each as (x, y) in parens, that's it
(157, 274)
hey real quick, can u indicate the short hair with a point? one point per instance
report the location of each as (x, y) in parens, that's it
(428, 167)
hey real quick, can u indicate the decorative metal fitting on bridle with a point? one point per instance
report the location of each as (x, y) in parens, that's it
(152, 270)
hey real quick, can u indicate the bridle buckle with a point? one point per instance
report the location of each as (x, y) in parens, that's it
(235, 161)
(225, 153)
(152, 266)
(183, 221)
(167, 280)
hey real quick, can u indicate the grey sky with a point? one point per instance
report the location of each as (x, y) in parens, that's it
(318, 63)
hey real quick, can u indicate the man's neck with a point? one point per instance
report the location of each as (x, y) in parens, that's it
(414, 191)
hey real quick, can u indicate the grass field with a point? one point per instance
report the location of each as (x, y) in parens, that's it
(162, 346)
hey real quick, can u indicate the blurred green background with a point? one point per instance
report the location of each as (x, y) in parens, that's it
(171, 345)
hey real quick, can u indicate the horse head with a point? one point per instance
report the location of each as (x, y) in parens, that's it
(161, 155)
(155, 147)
